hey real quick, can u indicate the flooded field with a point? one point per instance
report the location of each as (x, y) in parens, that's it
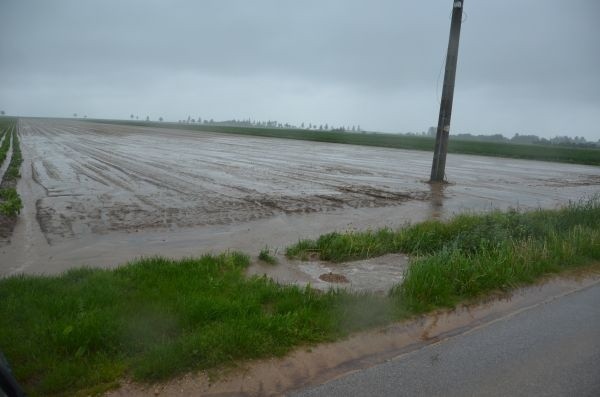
(97, 194)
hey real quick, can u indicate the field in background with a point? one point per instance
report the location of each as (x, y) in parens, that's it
(89, 186)
(589, 156)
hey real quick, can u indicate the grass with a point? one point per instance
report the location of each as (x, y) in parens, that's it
(562, 154)
(265, 256)
(464, 233)
(83, 331)
(450, 276)
(155, 318)
(471, 254)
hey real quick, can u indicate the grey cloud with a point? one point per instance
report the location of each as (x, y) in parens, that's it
(376, 63)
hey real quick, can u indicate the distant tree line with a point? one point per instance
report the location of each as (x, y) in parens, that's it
(527, 139)
(271, 124)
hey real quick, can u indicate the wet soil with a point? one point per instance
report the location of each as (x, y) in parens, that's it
(100, 195)
(333, 278)
(374, 275)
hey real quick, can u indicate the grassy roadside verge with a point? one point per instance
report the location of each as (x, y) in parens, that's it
(588, 156)
(155, 318)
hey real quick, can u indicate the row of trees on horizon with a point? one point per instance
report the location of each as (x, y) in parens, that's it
(577, 141)
(528, 139)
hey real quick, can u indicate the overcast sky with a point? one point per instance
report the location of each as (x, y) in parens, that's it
(524, 66)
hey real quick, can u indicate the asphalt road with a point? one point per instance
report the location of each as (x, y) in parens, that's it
(549, 350)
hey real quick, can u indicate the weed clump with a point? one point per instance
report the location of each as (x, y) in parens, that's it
(265, 256)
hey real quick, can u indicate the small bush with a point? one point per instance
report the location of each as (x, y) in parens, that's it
(11, 204)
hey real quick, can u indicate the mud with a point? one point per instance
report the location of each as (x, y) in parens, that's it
(375, 275)
(100, 195)
(333, 278)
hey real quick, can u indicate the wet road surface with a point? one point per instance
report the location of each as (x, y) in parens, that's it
(99, 194)
(549, 350)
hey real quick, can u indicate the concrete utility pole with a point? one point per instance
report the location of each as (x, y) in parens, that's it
(443, 130)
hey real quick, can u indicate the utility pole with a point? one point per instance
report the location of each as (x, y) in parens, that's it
(443, 130)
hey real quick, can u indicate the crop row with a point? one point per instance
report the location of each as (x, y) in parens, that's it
(5, 145)
(10, 201)
(12, 172)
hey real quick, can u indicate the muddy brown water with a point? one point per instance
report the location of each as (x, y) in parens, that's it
(101, 195)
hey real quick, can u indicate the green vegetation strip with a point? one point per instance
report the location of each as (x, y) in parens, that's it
(5, 145)
(156, 318)
(472, 254)
(12, 172)
(82, 331)
(10, 201)
(589, 156)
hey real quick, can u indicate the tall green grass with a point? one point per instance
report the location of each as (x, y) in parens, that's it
(156, 318)
(452, 275)
(472, 254)
(465, 233)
